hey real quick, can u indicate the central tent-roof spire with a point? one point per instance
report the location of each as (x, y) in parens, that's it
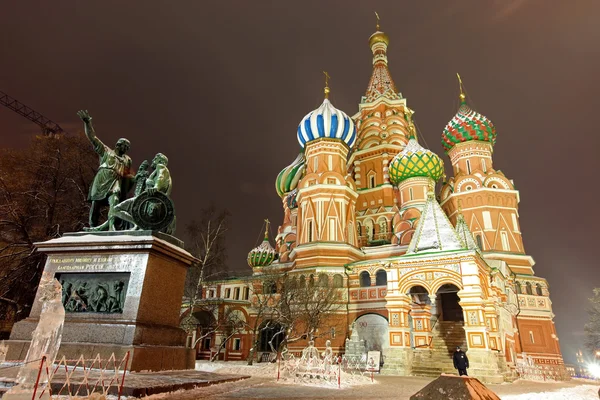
(381, 83)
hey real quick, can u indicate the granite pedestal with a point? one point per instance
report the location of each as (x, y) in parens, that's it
(123, 292)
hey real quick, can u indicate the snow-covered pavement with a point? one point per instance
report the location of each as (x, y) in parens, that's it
(264, 385)
(582, 392)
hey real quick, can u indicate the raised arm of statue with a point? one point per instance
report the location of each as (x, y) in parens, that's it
(99, 147)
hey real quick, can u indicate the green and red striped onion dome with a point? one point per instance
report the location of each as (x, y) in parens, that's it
(262, 255)
(288, 178)
(467, 125)
(413, 161)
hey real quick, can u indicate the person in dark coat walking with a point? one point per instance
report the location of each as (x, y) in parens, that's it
(461, 362)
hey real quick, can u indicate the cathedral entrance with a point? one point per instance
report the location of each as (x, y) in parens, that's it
(205, 323)
(446, 333)
(270, 336)
(448, 307)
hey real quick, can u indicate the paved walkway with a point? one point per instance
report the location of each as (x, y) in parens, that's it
(385, 387)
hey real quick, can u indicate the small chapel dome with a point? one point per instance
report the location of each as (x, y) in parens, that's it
(413, 161)
(467, 125)
(262, 255)
(326, 122)
(379, 37)
(288, 178)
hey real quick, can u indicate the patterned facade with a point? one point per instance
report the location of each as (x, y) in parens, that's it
(419, 270)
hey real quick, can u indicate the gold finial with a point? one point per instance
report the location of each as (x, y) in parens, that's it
(462, 95)
(431, 191)
(327, 77)
(408, 113)
(377, 15)
(267, 229)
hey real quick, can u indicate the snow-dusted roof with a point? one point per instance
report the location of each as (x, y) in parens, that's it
(464, 233)
(434, 231)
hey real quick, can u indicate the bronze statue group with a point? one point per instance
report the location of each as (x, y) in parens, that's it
(150, 208)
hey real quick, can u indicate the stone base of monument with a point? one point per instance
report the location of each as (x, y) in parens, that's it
(122, 292)
(398, 361)
(456, 388)
(483, 364)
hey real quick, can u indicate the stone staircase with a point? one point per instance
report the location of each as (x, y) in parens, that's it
(432, 362)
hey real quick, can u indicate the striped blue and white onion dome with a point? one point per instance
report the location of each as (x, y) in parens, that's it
(326, 122)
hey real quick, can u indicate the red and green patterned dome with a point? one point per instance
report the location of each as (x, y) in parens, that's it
(262, 255)
(467, 125)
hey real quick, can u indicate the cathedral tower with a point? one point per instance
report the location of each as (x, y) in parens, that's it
(326, 193)
(489, 204)
(383, 129)
(488, 198)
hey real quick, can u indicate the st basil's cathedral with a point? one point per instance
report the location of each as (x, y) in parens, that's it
(422, 272)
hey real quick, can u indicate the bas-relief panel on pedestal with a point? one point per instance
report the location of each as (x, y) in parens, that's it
(94, 292)
(90, 282)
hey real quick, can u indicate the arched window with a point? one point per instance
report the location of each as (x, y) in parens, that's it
(383, 226)
(381, 278)
(518, 288)
(372, 183)
(323, 280)
(479, 242)
(338, 281)
(538, 290)
(410, 193)
(309, 231)
(269, 287)
(302, 281)
(311, 280)
(483, 166)
(528, 288)
(365, 279)
(468, 166)
(369, 229)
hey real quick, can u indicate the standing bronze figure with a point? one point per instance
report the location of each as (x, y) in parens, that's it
(113, 174)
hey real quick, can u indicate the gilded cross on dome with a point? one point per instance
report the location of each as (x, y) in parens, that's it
(462, 95)
(267, 222)
(327, 78)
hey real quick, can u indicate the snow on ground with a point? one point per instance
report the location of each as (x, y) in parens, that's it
(269, 370)
(583, 392)
(266, 370)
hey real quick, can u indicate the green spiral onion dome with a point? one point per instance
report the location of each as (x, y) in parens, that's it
(288, 178)
(467, 125)
(262, 255)
(413, 161)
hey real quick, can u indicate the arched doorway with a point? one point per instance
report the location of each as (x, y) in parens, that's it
(448, 306)
(270, 334)
(206, 325)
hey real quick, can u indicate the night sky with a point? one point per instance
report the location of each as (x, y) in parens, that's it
(220, 87)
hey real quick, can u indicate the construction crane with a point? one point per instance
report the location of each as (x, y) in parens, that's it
(48, 127)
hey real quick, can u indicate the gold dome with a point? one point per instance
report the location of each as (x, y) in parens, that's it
(379, 37)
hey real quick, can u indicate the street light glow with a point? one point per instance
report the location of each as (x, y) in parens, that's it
(594, 370)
